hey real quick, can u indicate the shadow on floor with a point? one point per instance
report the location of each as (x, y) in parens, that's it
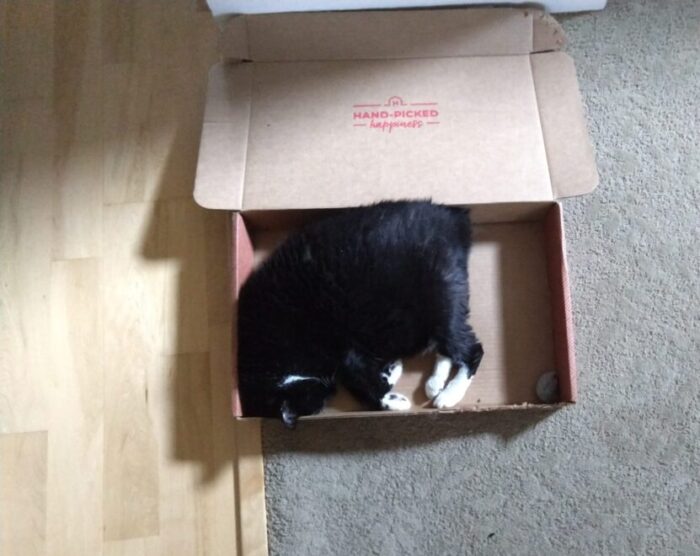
(193, 244)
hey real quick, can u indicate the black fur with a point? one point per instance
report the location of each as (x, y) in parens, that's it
(348, 295)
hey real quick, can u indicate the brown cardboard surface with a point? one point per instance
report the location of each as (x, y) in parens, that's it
(341, 109)
(520, 309)
(373, 35)
(477, 107)
(560, 299)
(571, 163)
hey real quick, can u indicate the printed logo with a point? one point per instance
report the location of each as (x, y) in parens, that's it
(395, 114)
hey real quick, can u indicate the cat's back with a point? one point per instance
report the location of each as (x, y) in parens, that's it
(372, 243)
(390, 229)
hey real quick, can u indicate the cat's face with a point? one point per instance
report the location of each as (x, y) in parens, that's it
(287, 399)
(306, 397)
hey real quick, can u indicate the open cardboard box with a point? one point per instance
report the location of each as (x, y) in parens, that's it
(310, 113)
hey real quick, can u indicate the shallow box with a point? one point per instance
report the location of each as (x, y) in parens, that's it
(311, 113)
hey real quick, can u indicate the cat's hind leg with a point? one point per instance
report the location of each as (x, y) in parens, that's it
(467, 360)
(457, 346)
(441, 372)
(373, 386)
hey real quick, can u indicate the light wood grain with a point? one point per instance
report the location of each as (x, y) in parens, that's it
(77, 230)
(251, 489)
(75, 385)
(182, 242)
(23, 494)
(25, 263)
(115, 309)
(27, 49)
(133, 310)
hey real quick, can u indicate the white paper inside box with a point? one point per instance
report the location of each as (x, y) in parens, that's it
(312, 113)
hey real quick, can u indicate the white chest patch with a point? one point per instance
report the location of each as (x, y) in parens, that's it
(291, 379)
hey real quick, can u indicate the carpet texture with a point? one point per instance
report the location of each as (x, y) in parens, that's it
(616, 474)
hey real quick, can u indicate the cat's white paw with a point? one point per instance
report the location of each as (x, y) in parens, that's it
(454, 392)
(434, 386)
(441, 372)
(396, 402)
(393, 372)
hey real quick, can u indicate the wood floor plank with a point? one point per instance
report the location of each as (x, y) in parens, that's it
(77, 194)
(118, 21)
(182, 242)
(115, 311)
(127, 100)
(251, 489)
(195, 439)
(181, 410)
(76, 400)
(23, 493)
(223, 524)
(26, 154)
(26, 56)
(129, 547)
(133, 323)
(77, 112)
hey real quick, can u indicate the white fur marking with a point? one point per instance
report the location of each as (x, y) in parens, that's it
(394, 372)
(307, 254)
(396, 402)
(455, 389)
(291, 379)
(441, 372)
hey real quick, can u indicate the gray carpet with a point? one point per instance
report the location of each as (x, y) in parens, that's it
(617, 474)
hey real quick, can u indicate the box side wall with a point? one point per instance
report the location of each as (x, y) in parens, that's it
(397, 34)
(545, 408)
(480, 214)
(560, 295)
(242, 261)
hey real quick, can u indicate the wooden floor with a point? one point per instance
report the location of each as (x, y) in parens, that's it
(115, 428)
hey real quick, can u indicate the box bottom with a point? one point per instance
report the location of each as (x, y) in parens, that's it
(519, 310)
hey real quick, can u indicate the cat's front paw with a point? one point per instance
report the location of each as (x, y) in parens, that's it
(393, 372)
(395, 402)
(434, 386)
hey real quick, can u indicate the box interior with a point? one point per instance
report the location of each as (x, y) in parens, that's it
(519, 304)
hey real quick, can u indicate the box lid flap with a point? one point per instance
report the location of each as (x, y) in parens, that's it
(373, 35)
(339, 109)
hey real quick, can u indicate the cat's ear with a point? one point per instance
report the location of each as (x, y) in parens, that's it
(289, 416)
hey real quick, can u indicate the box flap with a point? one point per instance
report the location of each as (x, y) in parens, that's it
(339, 109)
(570, 156)
(372, 35)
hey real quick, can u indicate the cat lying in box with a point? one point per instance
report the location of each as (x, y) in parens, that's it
(345, 299)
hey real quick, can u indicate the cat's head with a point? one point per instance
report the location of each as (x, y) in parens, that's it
(302, 397)
(287, 399)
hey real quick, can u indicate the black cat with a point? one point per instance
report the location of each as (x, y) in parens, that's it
(346, 298)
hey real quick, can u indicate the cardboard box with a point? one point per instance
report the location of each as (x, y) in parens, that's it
(225, 7)
(314, 112)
